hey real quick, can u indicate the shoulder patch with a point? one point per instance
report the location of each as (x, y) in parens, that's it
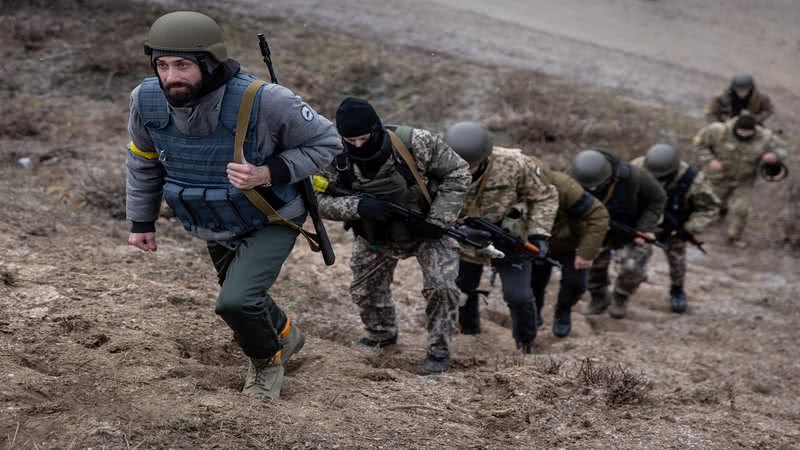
(307, 113)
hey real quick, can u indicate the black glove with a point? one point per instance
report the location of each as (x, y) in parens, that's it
(427, 230)
(541, 243)
(374, 209)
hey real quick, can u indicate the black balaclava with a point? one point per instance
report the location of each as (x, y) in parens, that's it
(746, 122)
(214, 74)
(356, 117)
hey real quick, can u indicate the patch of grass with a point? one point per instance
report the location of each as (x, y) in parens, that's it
(622, 386)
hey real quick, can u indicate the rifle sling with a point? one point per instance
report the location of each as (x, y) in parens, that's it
(242, 123)
(402, 150)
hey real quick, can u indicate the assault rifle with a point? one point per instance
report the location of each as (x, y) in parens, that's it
(479, 239)
(305, 187)
(683, 235)
(505, 240)
(619, 226)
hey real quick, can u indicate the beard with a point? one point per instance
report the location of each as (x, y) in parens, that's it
(743, 138)
(181, 97)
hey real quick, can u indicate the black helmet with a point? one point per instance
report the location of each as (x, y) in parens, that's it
(743, 81)
(591, 169)
(470, 141)
(662, 160)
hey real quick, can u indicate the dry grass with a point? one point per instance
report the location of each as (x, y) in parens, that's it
(622, 386)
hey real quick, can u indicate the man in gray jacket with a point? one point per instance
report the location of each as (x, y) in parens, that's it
(182, 125)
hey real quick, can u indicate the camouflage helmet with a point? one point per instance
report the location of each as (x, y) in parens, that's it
(591, 169)
(186, 31)
(471, 141)
(662, 160)
(743, 81)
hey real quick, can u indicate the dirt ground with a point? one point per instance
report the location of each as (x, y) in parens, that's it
(103, 346)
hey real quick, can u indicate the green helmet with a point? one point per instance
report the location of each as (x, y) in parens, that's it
(591, 168)
(186, 31)
(662, 160)
(471, 141)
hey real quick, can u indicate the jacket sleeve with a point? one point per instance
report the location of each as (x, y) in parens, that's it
(652, 199)
(296, 141)
(451, 173)
(767, 109)
(343, 208)
(540, 196)
(144, 173)
(712, 111)
(595, 226)
(705, 205)
(778, 146)
(705, 142)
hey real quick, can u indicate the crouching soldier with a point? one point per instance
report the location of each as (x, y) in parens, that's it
(577, 236)
(635, 202)
(417, 170)
(508, 189)
(691, 206)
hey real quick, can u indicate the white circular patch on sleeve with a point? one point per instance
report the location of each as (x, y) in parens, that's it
(307, 113)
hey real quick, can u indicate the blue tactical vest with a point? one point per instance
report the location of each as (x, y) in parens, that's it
(196, 184)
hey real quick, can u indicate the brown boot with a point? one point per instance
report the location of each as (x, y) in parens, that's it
(619, 306)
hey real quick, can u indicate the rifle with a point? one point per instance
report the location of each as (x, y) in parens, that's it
(305, 187)
(481, 240)
(685, 236)
(506, 240)
(636, 233)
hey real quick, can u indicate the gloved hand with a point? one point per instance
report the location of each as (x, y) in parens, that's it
(374, 209)
(426, 230)
(541, 242)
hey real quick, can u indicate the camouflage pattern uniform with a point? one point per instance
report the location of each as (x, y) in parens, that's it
(704, 206)
(720, 108)
(513, 192)
(373, 264)
(740, 159)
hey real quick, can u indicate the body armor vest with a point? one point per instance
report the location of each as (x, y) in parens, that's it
(393, 183)
(196, 184)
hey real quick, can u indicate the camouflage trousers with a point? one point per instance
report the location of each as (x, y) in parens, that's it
(735, 201)
(373, 271)
(631, 263)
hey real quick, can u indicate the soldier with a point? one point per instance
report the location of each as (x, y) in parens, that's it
(508, 189)
(577, 236)
(741, 95)
(691, 207)
(730, 153)
(635, 202)
(182, 124)
(418, 170)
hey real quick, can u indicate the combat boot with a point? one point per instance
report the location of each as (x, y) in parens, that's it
(264, 378)
(292, 341)
(619, 306)
(367, 341)
(562, 321)
(435, 364)
(678, 299)
(599, 302)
